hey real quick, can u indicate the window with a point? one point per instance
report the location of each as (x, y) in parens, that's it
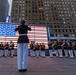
(52, 35)
(66, 35)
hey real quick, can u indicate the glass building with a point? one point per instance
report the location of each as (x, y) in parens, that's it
(4, 8)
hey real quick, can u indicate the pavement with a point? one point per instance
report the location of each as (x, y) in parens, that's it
(39, 66)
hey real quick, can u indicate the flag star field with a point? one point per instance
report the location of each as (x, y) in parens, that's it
(7, 30)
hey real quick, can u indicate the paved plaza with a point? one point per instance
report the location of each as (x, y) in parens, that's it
(39, 66)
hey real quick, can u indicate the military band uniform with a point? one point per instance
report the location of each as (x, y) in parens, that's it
(70, 50)
(34, 50)
(40, 49)
(6, 48)
(74, 48)
(56, 48)
(65, 48)
(12, 49)
(1, 49)
(43, 50)
(50, 49)
(37, 50)
(60, 49)
(31, 50)
(22, 47)
(9, 51)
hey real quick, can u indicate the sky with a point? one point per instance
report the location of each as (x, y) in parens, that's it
(10, 5)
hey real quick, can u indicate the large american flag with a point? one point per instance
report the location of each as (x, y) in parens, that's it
(38, 33)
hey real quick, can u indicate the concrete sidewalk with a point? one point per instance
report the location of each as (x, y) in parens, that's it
(39, 66)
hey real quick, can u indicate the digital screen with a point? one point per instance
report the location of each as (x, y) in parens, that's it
(7, 30)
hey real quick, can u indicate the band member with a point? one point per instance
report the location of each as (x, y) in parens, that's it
(37, 50)
(34, 50)
(43, 50)
(70, 49)
(31, 49)
(65, 46)
(15, 50)
(40, 49)
(9, 51)
(55, 45)
(11, 48)
(22, 46)
(60, 48)
(50, 49)
(74, 47)
(6, 48)
(1, 49)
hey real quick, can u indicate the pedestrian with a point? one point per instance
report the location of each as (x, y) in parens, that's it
(22, 47)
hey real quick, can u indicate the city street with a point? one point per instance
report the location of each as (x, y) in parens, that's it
(39, 66)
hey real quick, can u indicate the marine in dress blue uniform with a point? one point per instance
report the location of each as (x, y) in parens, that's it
(31, 49)
(50, 49)
(37, 50)
(55, 45)
(70, 49)
(6, 48)
(11, 48)
(74, 47)
(65, 48)
(43, 50)
(60, 48)
(1, 49)
(22, 47)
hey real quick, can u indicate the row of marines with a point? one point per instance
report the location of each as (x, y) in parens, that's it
(7, 49)
(59, 48)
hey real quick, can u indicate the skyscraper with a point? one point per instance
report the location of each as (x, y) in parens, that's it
(59, 15)
(4, 7)
(10, 7)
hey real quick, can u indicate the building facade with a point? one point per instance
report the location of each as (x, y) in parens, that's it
(59, 15)
(10, 7)
(4, 8)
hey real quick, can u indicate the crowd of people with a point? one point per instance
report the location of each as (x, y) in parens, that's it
(58, 48)
(7, 49)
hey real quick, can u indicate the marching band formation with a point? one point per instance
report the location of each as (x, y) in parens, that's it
(7, 49)
(57, 48)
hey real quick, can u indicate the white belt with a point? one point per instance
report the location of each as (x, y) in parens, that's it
(22, 34)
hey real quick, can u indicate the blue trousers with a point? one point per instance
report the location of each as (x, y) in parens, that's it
(22, 55)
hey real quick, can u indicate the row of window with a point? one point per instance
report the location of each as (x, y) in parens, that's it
(66, 30)
(60, 35)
